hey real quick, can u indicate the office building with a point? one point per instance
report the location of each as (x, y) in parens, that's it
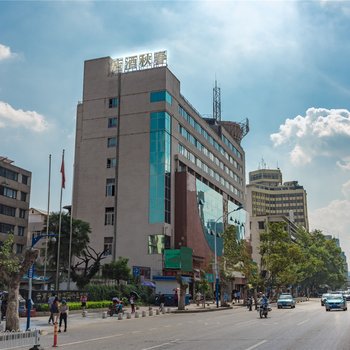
(268, 195)
(14, 203)
(150, 172)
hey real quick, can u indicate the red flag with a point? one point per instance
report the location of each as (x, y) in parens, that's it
(63, 174)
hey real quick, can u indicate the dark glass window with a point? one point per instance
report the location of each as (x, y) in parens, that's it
(110, 187)
(112, 122)
(8, 192)
(6, 210)
(109, 216)
(22, 213)
(9, 174)
(111, 142)
(111, 162)
(19, 248)
(113, 102)
(157, 96)
(25, 179)
(107, 245)
(6, 228)
(20, 230)
(23, 196)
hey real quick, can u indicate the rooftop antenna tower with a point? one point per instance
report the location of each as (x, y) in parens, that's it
(217, 102)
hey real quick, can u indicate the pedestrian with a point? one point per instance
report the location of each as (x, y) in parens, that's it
(176, 298)
(238, 295)
(55, 310)
(83, 300)
(63, 308)
(50, 302)
(161, 302)
(132, 303)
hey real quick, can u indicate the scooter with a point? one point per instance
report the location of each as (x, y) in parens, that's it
(263, 310)
(115, 308)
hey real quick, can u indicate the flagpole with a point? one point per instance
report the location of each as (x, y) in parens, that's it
(47, 218)
(70, 242)
(60, 226)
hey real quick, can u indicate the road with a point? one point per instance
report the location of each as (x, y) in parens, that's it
(306, 327)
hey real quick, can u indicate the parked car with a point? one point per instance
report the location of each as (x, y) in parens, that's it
(285, 300)
(335, 301)
(324, 298)
(346, 295)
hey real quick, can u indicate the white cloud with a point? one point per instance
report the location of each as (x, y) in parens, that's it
(5, 52)
(346, 190)
(321, 132)
(334, 219)
(10, 117)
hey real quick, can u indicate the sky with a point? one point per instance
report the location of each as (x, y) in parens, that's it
(284, 65)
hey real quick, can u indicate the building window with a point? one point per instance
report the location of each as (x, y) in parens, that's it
(110, 187)
(20, 230)
(8, 192)
(111, 141)
(261, 225)
(6, 210)
(111, 162)
(112, 122)
(113, 102)
(141, 272)
(9, 174)
(19, 248)
(107, 245)
(109, 216)
(160, 167)
(25, 179)
(23, 196)
(157, 96)
(6, 228)
(22, 213)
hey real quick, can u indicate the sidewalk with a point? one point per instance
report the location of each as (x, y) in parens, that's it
(76, 318)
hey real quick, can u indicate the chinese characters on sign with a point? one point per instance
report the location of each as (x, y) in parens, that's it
(138, 62)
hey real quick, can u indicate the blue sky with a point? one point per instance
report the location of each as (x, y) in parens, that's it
(282, 65)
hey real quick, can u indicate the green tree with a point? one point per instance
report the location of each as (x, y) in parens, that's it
(237, 257)
(117, 270)
(88, 265)
(323, 263)
(280, 256)
(80, 238)
(12, 268)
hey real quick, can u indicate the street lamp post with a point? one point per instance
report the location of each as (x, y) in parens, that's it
(217, 281)
(35, 240)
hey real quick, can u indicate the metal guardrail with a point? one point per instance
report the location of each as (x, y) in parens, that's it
(14, 340)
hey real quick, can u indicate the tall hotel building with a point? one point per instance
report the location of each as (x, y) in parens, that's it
(268, 195)
(150, 173)
(14, 203)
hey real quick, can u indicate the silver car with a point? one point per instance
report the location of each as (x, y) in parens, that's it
(335, 302)
(285, 300)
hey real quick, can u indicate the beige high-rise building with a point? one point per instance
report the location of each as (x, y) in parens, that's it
(150, 172)
(268, 195)
(14, 203)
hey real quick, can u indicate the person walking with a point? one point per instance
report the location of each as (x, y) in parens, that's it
(50, 302)
(161, 302)
(55, 310)
(132, 303)
(83, 300)
(63, 308)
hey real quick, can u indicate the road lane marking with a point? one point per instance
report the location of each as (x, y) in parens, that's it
(302, 322)
(256, 345)
(160, 345)
(94, 339)
(136, 332)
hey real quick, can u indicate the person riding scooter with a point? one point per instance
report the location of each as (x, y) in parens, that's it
(116, 307)
(264, 306)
